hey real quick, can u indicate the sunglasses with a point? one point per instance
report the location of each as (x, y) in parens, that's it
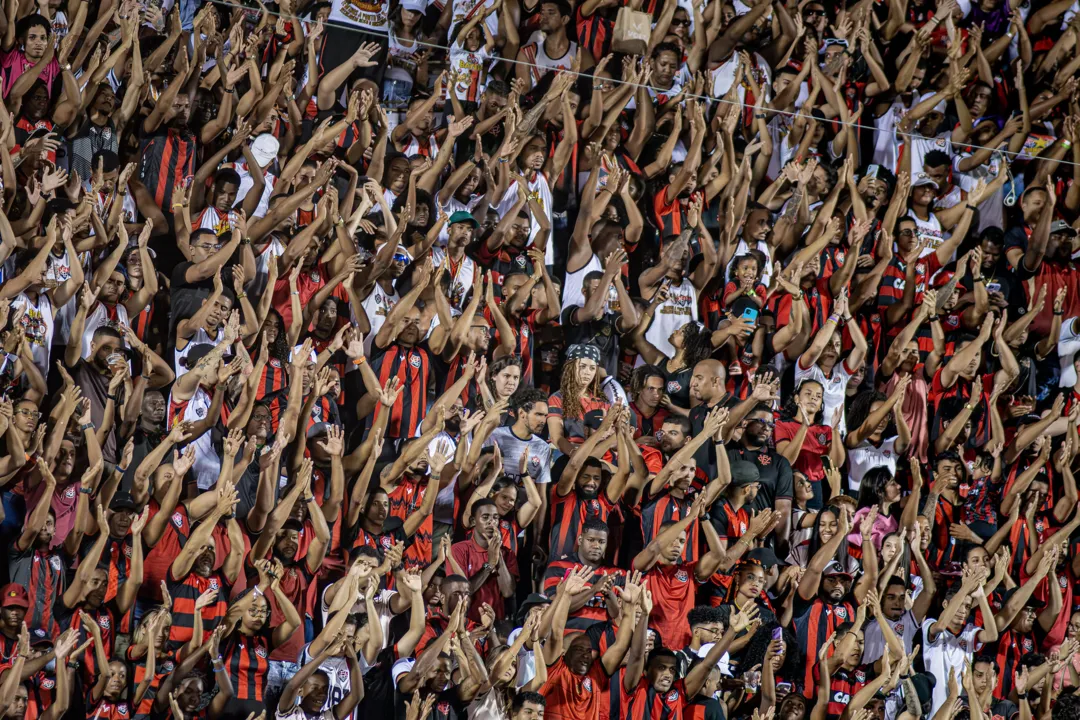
(401, 257)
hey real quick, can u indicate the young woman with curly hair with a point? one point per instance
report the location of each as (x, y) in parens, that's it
(579, 393)
(693, 343)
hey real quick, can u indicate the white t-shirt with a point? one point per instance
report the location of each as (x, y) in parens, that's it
(947, 653)
(680, 307)
(38, 325)
(377, 305)
(866, 456)
(207, 465)
(833, 388)
(1068, 346)
(337, 669)
(471, 67)
(539, 190)
(874, 641)
(370, 14)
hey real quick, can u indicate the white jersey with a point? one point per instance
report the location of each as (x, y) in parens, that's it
(337, 670)
(541, 64)
(247, 182)
(207, 465)
(471, 67)
(218, 223)
(540, 191)
(377, 305)
(100, 316)
(270, 253)
(461, 275)
(572, 282)
(834, 388)
(201, 337)
(464, 10)
(724, 75)
(915, 147)
(866, 456)
(886, 145)
(680, 307)
(452, 206)
(929, 231)
(947, 654)
(38, 324)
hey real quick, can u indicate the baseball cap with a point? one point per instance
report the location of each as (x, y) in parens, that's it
(40, 637)
(942, 279)
(123, 500)
(763, 556)
(265, 149)
(1060, 226)
(15, 596)
(835, 569)
(418, 6)
(744, 473)
(318, 429)
(923, 179)
(465, 217)
(939, 108)
(593, 419)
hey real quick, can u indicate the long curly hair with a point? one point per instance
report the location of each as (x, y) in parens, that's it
(697, 343)
(573, 391)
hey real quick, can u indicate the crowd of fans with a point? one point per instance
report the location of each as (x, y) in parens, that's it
(502, 359)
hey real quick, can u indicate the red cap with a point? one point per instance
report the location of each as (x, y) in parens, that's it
(942, 279)
(15, 596)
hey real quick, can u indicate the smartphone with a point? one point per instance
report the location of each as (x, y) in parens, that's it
(783, 688)
(778, 633)
(750, 315)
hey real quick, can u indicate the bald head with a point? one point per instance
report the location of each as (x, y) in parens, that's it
(707, 383)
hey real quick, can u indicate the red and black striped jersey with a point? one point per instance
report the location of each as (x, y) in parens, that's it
(812, 629)
(568, 515)
(184, 594)
(412, 366)
(648, 703)
(247, 660)
(405, 499)
(665, 508)
(168, 158)
(595, 608)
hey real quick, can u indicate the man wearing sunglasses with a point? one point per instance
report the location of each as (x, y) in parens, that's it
(776, 486)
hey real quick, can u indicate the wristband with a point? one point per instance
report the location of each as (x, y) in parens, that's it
(245, 241)
(121, 470)
(504, 160)
(1066, 144)
(86, 491)
(971, 207)
(1059, 313)
(308, 499)
(296, 292)
(1022, 696)
(111, 397)
(86, 426)
(799, 296)
(340, 221)
(969, 406)
(359, 361)
(177, 205)
(241, 296)
(934, 318)
(834, 319)
(977, 279)
(760, 116)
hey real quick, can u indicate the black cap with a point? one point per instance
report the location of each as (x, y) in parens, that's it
(763, 556)
(533, 600)
(744, 472)
(593, 419)
(924, 686)
(40, 637)
(1032, 601)
(123, 500)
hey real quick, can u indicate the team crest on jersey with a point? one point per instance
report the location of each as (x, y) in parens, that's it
(587, 684)
(764, 459)
(681, 576)
(673, 386)
(69, 493)
(840, 256)
(520, 261)
(213, 584)
(1027, 645)
(200, 411)
(963, 646)
(821, 438)
(860, 676)
(178, 519)
(48, 683)
(260, 651)
(168, 666)
(104, 622)
(385, 541)
(673, 696)
(343, 675)
(742, 528)
(444, 707)
(415, 361)
(841, 612)
(1063, 582)
(315, 277)
(594, 507)
(55, 564)
(122, 708)
(275, 363)
(127, 551)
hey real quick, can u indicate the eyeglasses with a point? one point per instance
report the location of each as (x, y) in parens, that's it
(813, 13)
(683, 23)
(32, 414)
(907, 233)
(208, 247)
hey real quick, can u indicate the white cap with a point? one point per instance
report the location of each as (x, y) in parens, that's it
(265, 149)
(417, 6)
(940, 107)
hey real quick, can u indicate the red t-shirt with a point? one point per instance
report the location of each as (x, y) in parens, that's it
(673, 588)
(815, 446)
(570, 696)
(471, 557)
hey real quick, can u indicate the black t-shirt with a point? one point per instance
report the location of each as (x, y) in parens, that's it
(776, 479)
(186, 298)
(602, 333)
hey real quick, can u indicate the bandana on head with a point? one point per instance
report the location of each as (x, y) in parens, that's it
(579, 352)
